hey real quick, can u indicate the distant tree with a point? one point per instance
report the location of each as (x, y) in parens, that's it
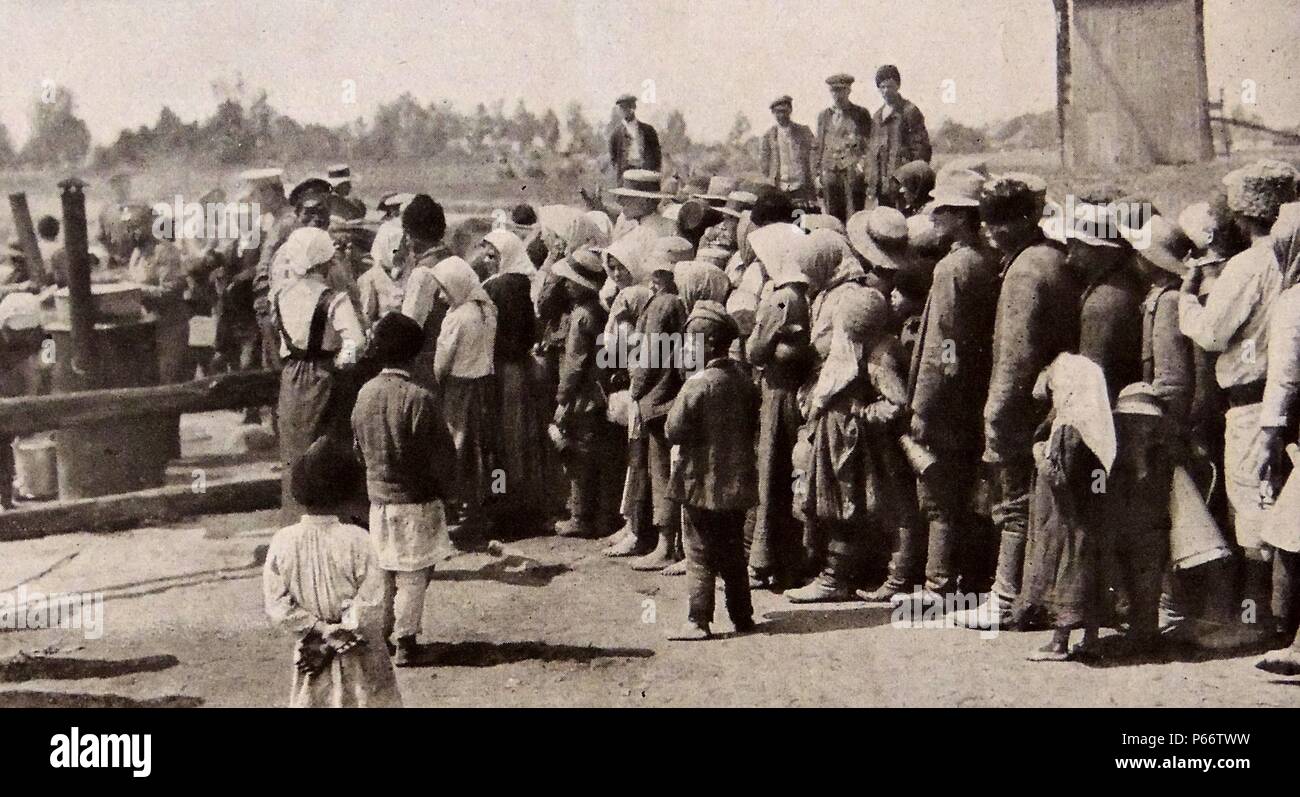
(7, 153)
(524, 127)
(582, 137)
(550, 130)
(228, 134)
(956, 137)
(739, 131)
(673, 137)
(58, 136)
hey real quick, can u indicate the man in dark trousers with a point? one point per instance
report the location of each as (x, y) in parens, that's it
(843, 131)
(1037, 318)
(633, 144)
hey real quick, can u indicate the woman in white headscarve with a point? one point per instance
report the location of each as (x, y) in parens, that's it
(463, 368)
(383, 286)
(520, 437)
(319, 333)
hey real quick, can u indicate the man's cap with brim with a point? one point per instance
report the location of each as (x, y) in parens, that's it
(1013, 196)
(784, 100)
(1139, 398)
(625, 99)
(395, 201)
(879, 235)
(640, 183)
(719, 188)
(583, 268)
(960, 188)
(262, 176)
(338, 174)
(1160, 243)
(738, 202)
(1094, 224)
(840, 79)
(311, 185)
(1259, 189)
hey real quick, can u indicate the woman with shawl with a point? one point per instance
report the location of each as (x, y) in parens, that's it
(636, 536)
(520, 438)
(851, 405)
(463, 369)
(383, 286)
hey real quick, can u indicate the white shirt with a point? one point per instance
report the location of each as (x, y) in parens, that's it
(1234, 319)
(635, 147)
(1283, 384)
(297, 302)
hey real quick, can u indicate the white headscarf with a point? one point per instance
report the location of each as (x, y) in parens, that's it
(512, 259)
(387, 239)
(303, 250)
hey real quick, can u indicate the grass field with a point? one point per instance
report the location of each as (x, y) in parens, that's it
(473, 185)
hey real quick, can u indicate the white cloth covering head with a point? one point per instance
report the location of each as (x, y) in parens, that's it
(459, 282)
(512, 258)
(304, 249)
(1077, 388)
(387, 240)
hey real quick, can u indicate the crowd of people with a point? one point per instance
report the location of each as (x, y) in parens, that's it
(854, 379)
(1082, 422)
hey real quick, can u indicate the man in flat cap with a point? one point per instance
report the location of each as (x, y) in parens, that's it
(843, 131)
(786, 154)
(633, 144)
(265, 188)
(898, 136)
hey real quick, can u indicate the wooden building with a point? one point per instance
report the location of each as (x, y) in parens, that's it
(1133, 85)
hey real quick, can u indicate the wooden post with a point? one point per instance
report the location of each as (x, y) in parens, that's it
(76, 245)
(1062, 75)
(27, 238)
(1207, 136)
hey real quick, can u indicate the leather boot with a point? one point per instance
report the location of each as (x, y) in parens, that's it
(832, 584)
(941, 558)
(903, 566)
(996, 610)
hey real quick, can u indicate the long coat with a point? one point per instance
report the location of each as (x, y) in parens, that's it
(802, 142)
(619, 141)
(895, 140)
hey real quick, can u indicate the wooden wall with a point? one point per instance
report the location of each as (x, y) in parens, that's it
(1137, 88)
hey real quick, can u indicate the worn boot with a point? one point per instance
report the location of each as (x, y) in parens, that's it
(996, 610)
(903, 566)
(832, 584)
(664, 553)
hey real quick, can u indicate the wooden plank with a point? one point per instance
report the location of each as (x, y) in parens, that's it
(142, 508)
(28, 414)
(27, 238)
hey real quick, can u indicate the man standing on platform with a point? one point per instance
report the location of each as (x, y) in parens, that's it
(898, 136)
(842, 134)
(786, 154)
(633, 144)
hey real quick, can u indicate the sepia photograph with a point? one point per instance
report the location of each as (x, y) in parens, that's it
(585, 354)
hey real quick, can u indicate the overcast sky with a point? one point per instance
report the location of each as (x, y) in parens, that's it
(125, 59)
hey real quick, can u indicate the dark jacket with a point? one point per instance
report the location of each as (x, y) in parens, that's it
(654, 388)
(801, 141)
(1037, 319)
(1110, 327)
(780, 343)
(516, 321)
(836, 152)
(1168, 361)
(714, 420)
(579, 391)
(618, 146)
(402, 441)
(949, 375)
(900, 139)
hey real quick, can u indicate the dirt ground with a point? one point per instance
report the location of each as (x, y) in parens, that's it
(549, 623)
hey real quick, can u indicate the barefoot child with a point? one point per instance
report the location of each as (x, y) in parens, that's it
(713, 421)
(406, 449)
(321, 581)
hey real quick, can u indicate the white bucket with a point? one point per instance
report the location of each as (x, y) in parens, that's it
(36, 473)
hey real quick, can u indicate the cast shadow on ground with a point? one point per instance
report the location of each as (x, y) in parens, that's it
(813, 621)
(62, 668)
(512, 569)
(1110, 651)
(491, 654)
(36, 699)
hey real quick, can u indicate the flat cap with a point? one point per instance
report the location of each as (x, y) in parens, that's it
(784, 99)
(840, 79)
